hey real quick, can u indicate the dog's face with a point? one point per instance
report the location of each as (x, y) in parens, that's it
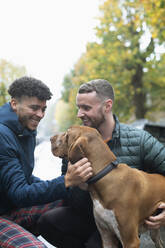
(59, 145)
(72, 143)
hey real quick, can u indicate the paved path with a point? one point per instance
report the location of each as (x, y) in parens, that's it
(146, 241)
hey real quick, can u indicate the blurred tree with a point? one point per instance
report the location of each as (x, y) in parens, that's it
(63, 118)
(8, 73)
(155, 17)
(67, 86)
(124, 53)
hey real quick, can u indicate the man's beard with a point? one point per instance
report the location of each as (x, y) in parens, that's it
(95, 123)
(25, 120)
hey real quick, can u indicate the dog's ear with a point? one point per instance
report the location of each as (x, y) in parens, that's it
(77, 150)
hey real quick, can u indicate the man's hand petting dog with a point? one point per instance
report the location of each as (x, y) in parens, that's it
(154, 222)
(78, 173)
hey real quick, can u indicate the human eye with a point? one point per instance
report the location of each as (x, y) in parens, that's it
(86, 108)
(34, 107)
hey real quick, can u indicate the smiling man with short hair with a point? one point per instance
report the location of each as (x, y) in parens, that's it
(73, 225)
(24, 197)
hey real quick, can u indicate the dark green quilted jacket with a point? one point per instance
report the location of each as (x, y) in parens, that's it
(132, 146)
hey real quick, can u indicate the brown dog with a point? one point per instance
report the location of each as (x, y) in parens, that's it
(123, 198)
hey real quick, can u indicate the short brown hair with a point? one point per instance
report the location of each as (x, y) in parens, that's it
(102, 87)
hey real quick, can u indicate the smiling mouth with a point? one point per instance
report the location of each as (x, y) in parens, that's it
(36, 122)
(55, 153)
(85, 122)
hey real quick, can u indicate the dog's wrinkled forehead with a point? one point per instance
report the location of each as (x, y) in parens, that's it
(77, 131)
(73, 133)
(62, 137)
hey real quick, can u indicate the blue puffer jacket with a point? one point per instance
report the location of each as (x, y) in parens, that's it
(18, 187)
(132, 146)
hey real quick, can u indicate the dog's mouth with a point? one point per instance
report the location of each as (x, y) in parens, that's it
(63, 157)
(57, 154)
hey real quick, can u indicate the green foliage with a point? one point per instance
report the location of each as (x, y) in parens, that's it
(67, 86)
(3, 93)
(63, 118)
(125, 55)
(155, 17)
(8, 73)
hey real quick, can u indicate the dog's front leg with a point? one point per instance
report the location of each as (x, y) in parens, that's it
(109, 240)
(107, 225)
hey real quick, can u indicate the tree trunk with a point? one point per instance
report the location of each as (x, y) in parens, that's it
(139, 98)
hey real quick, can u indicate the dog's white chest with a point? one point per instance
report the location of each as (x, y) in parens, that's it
(106, 222)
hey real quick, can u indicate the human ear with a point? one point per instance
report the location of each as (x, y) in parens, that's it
(13, 103)
(108, 105)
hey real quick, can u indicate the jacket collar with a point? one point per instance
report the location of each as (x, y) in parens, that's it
(116, 131)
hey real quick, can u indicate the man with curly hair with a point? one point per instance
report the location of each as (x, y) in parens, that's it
(24, 197)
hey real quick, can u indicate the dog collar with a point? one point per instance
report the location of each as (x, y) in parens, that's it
(103, 172)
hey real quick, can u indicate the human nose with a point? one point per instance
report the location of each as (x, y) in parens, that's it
(80, 113)
(40, 113)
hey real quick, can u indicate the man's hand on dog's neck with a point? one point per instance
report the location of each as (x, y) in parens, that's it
(78, 173)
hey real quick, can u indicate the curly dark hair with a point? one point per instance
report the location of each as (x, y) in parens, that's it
(31, 87)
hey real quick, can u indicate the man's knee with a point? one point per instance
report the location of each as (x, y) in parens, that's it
(43, 223)
(94, 240)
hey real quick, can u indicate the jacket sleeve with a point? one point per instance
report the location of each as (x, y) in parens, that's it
(77, 198)
(14, 183)
(153, 154)
(35, 179)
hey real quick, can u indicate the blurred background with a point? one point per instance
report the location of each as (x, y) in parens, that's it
(66, 43)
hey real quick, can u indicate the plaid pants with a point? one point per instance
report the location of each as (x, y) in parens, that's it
(16, 226)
